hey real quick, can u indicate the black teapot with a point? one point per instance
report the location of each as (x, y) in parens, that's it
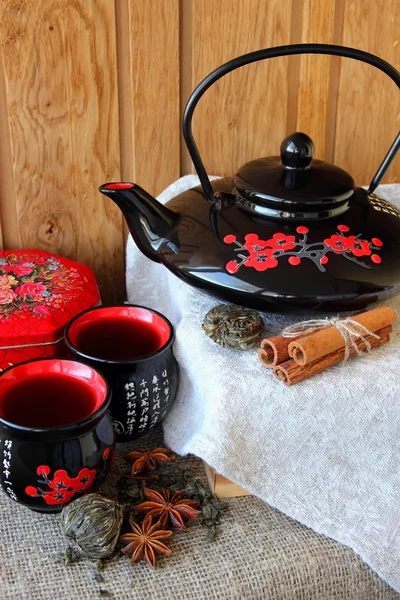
(286, 232)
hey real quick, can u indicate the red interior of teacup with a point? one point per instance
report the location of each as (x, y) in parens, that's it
(118, 333)
(50, 393)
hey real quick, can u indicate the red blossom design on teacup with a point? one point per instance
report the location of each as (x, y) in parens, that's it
(61, 496)
(62, 486)
(82, 481)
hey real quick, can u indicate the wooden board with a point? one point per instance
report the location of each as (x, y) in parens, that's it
(250, 111)
(149, 120)
(62, 101)
(368, 103)
(221, 486)
(92, 90)
(317, 75)
(243, 115)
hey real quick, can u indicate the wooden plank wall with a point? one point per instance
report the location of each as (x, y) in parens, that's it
(92, 91)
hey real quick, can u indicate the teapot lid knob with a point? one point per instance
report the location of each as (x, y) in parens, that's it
(297, 151)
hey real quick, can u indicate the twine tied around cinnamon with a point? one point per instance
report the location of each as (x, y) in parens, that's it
(350, 331)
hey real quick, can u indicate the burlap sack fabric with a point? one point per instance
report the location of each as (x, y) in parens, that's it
(260, 554)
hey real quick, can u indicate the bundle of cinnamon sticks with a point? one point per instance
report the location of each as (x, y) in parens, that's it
(294, 359)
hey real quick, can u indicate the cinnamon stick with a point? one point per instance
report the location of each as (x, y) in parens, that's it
(325, 341)
(290, 372)
(274, 350)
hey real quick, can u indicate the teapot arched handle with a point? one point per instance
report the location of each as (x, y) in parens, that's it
(251, 57)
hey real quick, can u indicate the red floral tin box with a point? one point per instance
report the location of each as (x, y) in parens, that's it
(39, 293)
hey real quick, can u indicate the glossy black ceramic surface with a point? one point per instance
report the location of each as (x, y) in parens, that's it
(142, 389)
(44, 469)
(287, 232)
(346, 261)
(293, 179)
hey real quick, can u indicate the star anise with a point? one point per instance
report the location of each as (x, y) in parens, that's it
(145, 541)
(142, 459)
(175, 510)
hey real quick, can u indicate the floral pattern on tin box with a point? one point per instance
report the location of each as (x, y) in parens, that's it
(39, 285)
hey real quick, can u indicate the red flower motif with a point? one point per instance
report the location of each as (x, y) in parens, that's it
(280, 241)
(18, 270)
(30, 288)
(61, 496)
(253, 243)
(58, 497)
(43, 470)
(82, 481)
(302, 229)
(51, 286)
(251, 238)
(62, 285)
(32, 257)
(263, 254)
(232, 266)
(262, 260)
(360, 248)
(62, 486)
(6, 296)
(6, 281)
(338, 243)
(42, 311)
(229, 239)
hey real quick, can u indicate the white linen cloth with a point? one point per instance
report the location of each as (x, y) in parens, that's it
(325, 451)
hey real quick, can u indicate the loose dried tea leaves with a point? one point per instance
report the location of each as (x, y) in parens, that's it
(106, 594)
(172, 476)
(129, 491)
(70, 556)
(211, 507)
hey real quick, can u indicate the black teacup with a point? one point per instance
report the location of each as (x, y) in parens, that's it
(56, 436)
(132, 347)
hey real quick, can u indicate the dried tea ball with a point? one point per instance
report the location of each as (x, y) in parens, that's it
(94, 524)
(233, 327)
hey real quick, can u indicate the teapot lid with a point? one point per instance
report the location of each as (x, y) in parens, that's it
(295, 181)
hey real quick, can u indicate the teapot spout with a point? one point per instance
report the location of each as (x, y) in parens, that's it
(151, 224)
